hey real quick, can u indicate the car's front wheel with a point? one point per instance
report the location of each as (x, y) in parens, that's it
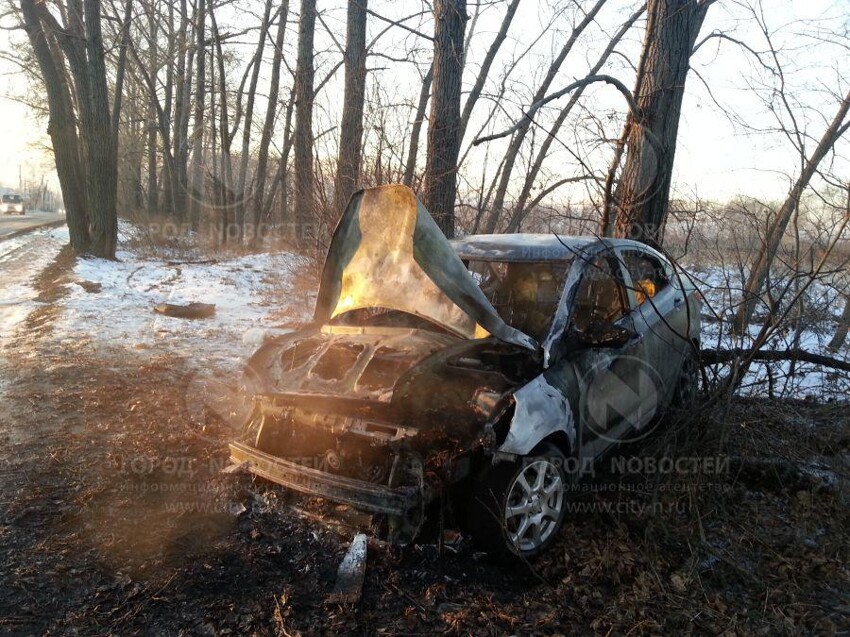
(518, 507)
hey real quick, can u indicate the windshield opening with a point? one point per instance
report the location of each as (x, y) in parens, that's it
(524, 294)
(11, 199)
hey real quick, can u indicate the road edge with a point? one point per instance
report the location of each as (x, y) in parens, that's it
(39, 226)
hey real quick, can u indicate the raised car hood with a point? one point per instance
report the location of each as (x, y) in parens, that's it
(387, 252)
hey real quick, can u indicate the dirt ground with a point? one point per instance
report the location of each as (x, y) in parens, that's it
(115, 518)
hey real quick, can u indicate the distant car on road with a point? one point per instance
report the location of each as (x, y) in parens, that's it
(13, 205)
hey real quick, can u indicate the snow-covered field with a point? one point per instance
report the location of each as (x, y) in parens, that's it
(811, 331)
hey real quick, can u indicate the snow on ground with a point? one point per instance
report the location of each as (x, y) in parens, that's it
(21, 259)
(250, 292)
(822, 306)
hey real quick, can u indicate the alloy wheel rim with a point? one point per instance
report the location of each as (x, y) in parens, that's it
(534, 505)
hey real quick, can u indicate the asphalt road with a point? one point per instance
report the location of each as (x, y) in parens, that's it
(15, 224)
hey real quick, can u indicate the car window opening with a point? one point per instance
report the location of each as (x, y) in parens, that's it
(524, 294)
(599, 298)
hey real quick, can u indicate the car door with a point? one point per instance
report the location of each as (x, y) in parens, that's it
(658, 312)
(615, 392)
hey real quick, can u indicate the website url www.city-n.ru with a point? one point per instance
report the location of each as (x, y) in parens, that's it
(627, 507)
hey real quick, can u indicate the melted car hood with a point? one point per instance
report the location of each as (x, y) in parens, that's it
(387, 252)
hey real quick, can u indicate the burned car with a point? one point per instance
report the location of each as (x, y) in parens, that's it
(475, 372)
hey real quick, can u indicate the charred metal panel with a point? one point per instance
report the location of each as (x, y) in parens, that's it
(364, 495)
(518, 248)
(541, 410)
(346, 361)
(438, 395)
(387, 252)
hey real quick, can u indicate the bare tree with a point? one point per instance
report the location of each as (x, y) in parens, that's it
(761, 267)
(61, 128)
(80, 43)
(351, 129)
(304, 195)
(522, 129)
(268, 126)
(483, 72)
(440, 182)
(641, 197)
(416, 131)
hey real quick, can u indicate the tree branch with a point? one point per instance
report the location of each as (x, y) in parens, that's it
(590, 79)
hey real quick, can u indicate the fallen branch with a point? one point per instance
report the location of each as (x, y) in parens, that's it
(190, 311)
(715, 356)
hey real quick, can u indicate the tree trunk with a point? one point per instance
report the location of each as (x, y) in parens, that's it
(181, 116)
(841, 330)
(761, 268)
(440, 181)
(242, 176)
(124, 34)
(268, 125)
(304, 196)
(351, 131)
(62, 130)
(413, 149)
(151, 128)
(197, 185)
(642, 195)
(226, 184)
(102, 164)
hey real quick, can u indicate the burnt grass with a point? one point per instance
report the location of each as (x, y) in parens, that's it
(115, 518)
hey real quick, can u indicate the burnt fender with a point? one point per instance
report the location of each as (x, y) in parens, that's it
(541, 410)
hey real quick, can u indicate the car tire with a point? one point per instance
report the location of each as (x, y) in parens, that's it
(517, 508)
(687, 382)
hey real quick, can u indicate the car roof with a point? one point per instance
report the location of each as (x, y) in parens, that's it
(531, 247)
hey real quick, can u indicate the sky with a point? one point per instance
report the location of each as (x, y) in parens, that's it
(716, 157)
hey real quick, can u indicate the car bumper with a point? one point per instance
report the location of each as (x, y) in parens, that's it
(366, 496)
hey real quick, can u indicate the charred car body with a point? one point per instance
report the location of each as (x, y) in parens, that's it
(479, 368)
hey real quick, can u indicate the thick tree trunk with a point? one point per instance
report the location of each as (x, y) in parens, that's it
(351, 131)
(440, 182)
(102, 164)
(761, 268)
(413, 149)
(641, 198)
(304, 196)
(62, 130)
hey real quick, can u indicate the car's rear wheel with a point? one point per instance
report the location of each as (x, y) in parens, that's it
(687, 383)
(518, 507)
